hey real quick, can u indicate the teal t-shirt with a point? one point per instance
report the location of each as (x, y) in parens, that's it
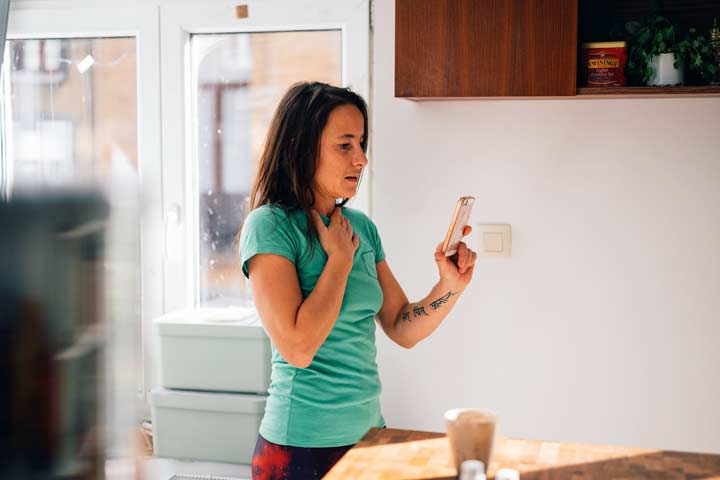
(336, 399)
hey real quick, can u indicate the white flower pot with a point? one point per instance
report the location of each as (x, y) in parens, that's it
(664, 71)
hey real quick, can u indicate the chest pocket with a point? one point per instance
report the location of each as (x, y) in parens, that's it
(368, 261)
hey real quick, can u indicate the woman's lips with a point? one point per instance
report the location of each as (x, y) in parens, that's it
(352, 179)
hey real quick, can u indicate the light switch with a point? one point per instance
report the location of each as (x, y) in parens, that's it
(492, 242)
(495, 240)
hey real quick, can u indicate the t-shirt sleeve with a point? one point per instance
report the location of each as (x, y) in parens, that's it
(377, 243)
(265, 231)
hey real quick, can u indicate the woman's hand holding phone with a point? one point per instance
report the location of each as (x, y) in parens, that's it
(458, 268)
(455, 260)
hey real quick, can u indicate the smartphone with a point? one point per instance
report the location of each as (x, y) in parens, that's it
(459, 220)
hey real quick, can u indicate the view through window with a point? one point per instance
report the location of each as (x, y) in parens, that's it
(239, 79)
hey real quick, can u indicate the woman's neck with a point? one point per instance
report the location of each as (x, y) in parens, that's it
(324, 205)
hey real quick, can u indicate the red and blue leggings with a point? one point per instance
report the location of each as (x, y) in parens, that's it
(280, 462)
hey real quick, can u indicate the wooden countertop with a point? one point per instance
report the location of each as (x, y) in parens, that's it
(392, 454)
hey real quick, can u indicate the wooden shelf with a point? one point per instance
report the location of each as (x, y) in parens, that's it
(625, 92)
(597, 18)
(490, 50)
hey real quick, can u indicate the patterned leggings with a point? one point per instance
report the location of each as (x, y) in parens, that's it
(279, 462)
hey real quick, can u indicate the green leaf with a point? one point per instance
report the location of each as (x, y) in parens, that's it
(633, 27)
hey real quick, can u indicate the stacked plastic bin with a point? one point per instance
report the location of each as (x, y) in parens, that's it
(215, 373)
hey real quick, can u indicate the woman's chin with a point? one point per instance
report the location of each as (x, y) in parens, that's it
(346, 193)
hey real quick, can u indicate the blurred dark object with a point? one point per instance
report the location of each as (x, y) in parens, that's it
(51, 335)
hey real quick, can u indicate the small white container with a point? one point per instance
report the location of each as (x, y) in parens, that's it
(213, 427)
(217, 349)
(664, 71)
(507, 474)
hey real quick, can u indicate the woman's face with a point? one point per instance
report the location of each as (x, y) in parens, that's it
(341, 157)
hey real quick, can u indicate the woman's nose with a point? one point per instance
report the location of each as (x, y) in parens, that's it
(360, 159)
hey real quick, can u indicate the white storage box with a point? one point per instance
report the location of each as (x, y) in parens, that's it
(215, 427)
(220, 349)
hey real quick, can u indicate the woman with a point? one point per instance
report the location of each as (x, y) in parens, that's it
(319, 279)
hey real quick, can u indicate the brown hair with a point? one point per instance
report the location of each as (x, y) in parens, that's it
(286, 171)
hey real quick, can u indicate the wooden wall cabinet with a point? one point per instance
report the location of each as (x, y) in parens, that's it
(485, 48)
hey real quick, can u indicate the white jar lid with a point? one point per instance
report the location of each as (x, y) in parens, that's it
(507, 474)
(472, 469)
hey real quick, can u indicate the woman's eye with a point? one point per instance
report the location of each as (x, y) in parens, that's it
(345, 146)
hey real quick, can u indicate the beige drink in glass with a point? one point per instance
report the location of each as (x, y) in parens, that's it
(471, 433)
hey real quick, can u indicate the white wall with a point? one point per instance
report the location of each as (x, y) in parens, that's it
(603, 327)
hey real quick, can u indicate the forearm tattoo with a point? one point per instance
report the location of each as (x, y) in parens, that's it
(420, 311)
(436, 304)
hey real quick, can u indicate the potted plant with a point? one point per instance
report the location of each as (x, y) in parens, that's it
(659, 54)
(698, 54)
(651, 55)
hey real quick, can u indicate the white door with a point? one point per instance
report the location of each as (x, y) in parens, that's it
(225, 67)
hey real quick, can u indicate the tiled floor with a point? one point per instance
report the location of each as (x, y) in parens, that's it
(153, 468)
(165, 468)
(148, 467)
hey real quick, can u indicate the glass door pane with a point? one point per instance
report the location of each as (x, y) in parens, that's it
(238, 79)
(72, 110)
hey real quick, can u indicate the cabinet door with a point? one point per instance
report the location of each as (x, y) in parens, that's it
(485, 48)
